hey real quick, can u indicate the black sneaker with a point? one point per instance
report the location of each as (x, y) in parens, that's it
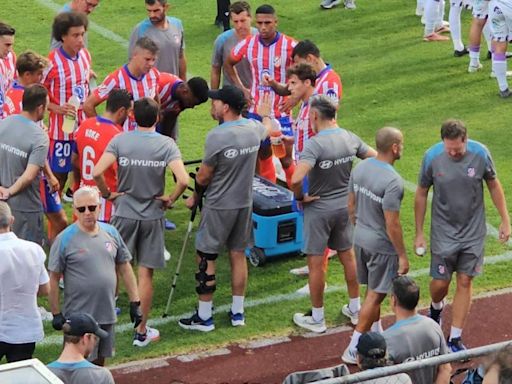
(68, 196)
(197, 324)
(435, 314)
(460, 53)
(505, 94)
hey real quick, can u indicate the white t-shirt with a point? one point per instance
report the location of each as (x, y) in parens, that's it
(22, 271)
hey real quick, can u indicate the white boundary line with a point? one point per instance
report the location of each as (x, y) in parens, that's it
(104, 32)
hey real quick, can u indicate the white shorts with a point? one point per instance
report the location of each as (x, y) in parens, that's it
(501, 21)
(480, 9)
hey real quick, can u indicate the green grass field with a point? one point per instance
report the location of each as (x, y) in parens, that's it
(390, 77)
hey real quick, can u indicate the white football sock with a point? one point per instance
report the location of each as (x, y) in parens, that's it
(455, 332)
(238, 304)
(204, 309)
(377, 327)
(431, 11)
(474, 56)
(318, 314)
(454, 18)
(500, 70)
(354, 340)
(354, 304)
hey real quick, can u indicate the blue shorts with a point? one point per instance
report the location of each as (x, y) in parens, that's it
(59, 155)
(51, 201)
(284, 122)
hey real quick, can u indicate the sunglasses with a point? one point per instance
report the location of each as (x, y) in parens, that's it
(91, 208)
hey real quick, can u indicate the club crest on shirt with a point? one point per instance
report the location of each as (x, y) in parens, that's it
(277, 61)
(62, 163)
(331, 93)
(471, 172)
(441, 269)
(78, 91)
(109, 246)
(176, 38)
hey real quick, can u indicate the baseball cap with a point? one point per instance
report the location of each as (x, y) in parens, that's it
(372, 344)
(230, 95)
(82, 323)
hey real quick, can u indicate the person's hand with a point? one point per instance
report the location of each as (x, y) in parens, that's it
(309, 198)
(191, 202)
(264, 107)
(167, 202)
(420, 243)
(267, 81)
(4, 193)
(114, 195)
(67, 110)
(135, 313)
(58, 321)
(504, 232)
(403, 265)
(54, 184)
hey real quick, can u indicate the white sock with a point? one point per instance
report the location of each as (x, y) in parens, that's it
(354, 340)
(455, 332)
(377, 326)
(454, 18)
(205, 309)
(440, 13)
(431, 11)
(354, 305)
(318, 314)
(238, 304)
(439, 305)
(500, 70)
(488, 35)
(474, 57)
(419, 7)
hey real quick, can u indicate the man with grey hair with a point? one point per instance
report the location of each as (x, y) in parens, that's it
(327, 161)
(24, 147)
(375, 195)
(86, 253)
(23, 277)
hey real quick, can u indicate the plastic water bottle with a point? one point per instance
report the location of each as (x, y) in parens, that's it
(68, 126)
(276, 139)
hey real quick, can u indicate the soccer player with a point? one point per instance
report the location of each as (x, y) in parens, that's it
(68, 75)
(167, 33)
(81, 6)
(139, 77)
(501, 27)
(7, 61)
(87, 254)
(268, 53)
(240, 13)
(455, 30)
(413, 335)
(326, 160)
(175, 96)
(375, 195)
(142, 158)
(92, 138)
(30, 67)
(227, 170)
(479, 25)
(456, 168)
(24, 147)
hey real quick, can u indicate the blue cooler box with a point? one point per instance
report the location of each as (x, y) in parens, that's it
(277, 228)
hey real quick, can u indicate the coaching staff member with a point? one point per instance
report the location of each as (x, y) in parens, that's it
(231, 150)
(23, 277)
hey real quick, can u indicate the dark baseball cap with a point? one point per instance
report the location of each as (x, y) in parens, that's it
(82, 323)
(372, 344)
(232, 96)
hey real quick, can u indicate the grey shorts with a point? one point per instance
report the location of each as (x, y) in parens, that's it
(144, 238)
(324, 228)
(376, 270)
(219, 228)
(104, 347)
(28, 226)
(467, 258)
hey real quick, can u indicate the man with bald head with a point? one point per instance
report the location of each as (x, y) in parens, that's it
(86, 253)
(375, 195)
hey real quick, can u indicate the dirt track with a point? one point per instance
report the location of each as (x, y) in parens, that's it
(489, 322)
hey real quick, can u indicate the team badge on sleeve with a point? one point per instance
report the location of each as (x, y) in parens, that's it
(109, 246)
(471, 172)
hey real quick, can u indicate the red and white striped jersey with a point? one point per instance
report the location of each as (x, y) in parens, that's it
(64, 77)
(328, 83)
(13, 102)
(7, 76)
(144, 86)
(303, 129)
(272, 59)
(167, 84)
(92, 138)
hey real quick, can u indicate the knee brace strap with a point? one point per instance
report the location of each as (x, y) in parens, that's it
(207, 256)
(202, 277)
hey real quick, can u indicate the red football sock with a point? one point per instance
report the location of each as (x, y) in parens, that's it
(289, 173)
(267, 169)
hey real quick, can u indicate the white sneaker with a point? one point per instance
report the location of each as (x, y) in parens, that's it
(305, 320)
(305, 289)
(475, 68)
(167, 255)
(142, 340)
(328, 4)
(301, 271)
(353, 316)
(350, 4)
(349, 356)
